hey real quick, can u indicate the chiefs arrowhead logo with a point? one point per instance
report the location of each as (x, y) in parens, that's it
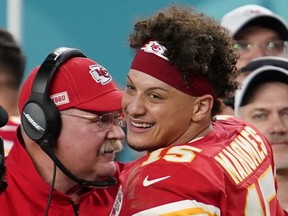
(100, 74)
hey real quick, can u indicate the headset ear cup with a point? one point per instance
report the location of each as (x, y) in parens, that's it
(41, 121)
(34, 121)
(53, 123)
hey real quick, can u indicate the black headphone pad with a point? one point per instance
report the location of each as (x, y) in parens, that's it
(41, 119)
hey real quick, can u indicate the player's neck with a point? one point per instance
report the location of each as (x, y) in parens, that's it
(201, 132)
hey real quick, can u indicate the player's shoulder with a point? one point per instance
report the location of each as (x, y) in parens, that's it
(233, 125)
(229, 124)
(229, 120)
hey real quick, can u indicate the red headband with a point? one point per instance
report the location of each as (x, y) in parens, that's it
(150, 60)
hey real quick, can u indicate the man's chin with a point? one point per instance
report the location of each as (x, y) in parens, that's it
(280, 153)
(280, 147)
(108, 169)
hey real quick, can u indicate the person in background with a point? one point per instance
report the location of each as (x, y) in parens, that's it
(12, 66)
(264, 60)
(258, 32)
(263, 102)
(62, 160)
(197, 163)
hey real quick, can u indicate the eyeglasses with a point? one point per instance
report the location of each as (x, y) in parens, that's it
(105, 121)
(271, 47)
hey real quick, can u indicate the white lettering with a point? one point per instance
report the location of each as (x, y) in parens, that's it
(28, 117)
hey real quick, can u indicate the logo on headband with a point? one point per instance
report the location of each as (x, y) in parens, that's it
(155, 48)
(100, 74)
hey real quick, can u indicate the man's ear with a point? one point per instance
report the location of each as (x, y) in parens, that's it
(202, 108)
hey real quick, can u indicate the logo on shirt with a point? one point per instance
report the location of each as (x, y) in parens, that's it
(147, 182)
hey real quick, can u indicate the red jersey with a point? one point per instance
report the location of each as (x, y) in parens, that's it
(229, 172)
(27, 194)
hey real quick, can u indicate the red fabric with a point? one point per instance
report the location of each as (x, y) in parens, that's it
(194, 181)
(150, 60)
(78, 83)
(27, 193)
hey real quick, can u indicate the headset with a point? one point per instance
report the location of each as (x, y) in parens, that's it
(40, 116)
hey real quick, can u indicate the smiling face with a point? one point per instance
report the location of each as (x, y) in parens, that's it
(268, 111)
(258, 38)
(86, 148)
(157, 114)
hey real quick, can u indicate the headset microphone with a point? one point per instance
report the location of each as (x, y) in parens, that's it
(3, 122)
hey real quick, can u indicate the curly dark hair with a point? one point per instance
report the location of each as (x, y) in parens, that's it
(196, 44)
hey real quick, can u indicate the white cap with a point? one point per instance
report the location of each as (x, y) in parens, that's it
(238, 18)
(264, 74)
